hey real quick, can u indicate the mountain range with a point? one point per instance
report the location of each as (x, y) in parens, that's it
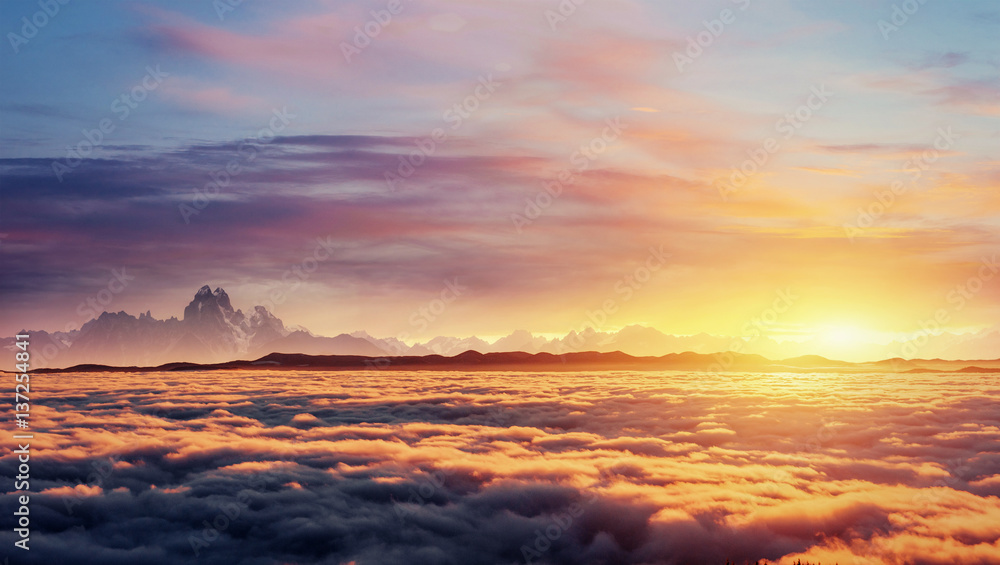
(212, 331)
(576, 361)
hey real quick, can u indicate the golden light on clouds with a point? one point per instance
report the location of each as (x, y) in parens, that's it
(655, 466)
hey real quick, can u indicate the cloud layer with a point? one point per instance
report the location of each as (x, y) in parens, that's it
(642, 468)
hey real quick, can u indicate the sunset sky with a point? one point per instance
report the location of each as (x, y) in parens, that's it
(546, 164)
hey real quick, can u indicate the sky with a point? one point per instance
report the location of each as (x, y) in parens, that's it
(455, 168)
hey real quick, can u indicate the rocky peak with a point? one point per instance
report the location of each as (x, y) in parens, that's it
(263, 317)
(208, 305)
(222, 299)
(107, 320)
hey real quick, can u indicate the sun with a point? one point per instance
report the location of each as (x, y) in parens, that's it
(849, 342)
(843, 335)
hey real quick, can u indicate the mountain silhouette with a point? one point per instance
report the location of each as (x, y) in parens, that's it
(212, 331)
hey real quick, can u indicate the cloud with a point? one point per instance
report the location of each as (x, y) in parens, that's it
(419, 469)
(191, 94)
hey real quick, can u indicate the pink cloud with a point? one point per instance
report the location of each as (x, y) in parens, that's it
(193, 94)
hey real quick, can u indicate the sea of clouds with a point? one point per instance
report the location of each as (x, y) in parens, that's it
(484, 468)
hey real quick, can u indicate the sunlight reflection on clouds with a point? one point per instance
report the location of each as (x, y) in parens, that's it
(380, 467)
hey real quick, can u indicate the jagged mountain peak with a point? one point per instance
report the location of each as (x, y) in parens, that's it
(263, 323)
(221, 296)
(210, 331)
(209, 305)
(261, 312)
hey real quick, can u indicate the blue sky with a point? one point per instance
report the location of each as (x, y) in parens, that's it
(220, 81)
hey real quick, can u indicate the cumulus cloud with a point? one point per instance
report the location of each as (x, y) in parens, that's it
(286, 467)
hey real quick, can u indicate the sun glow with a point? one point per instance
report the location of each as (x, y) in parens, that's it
(843, 335)
(849, 342)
